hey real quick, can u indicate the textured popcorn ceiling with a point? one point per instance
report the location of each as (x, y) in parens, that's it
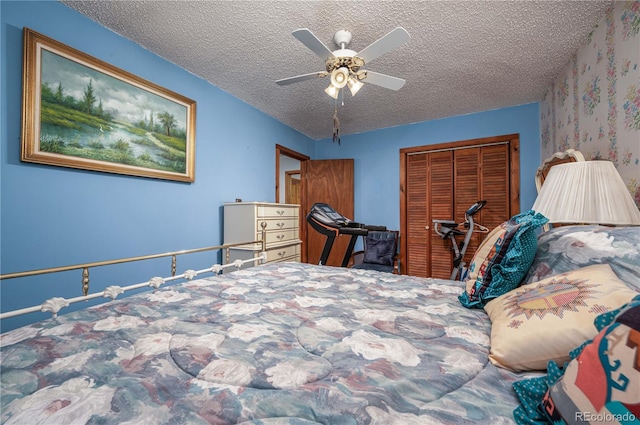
(463, 56)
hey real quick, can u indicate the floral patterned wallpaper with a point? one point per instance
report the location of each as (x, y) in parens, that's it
(594, 105)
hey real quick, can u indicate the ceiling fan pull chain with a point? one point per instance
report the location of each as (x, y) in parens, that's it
(336, 124)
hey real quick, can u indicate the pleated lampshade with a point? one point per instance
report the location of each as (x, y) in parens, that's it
(586, 192)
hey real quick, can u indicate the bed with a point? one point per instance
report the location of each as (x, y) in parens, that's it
(293, 343)
(285, 343)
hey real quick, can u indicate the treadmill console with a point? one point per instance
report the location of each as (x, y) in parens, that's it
(330, 223)
(328, 216)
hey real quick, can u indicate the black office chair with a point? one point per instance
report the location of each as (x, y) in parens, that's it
(380, 252)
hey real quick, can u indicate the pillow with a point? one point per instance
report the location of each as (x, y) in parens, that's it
(543, 321)
(380, 251)
(602, 384)
(567, 248)
(538, 405)
(502, 259)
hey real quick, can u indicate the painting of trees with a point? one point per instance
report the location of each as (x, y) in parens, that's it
(88, 114)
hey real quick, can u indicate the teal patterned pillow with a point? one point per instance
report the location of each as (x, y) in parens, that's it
(502, 259)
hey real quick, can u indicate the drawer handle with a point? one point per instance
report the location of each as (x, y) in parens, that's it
(280, 225)
(281, 237)
(280, 212)
(282, 254)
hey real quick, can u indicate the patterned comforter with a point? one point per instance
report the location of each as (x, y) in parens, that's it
(286, 343)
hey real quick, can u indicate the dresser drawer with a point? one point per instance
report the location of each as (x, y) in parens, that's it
(277, 211)
(278, 223)
(275, 254)
(280, 236)
(284, 253)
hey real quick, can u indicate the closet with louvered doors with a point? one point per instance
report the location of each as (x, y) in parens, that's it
(441, 182)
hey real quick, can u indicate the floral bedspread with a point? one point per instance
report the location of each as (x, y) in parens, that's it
(285, 343)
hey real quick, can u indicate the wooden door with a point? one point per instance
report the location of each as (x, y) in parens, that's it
(331, 182)
(482, 173)
(430, 197)
(496, 186)
(442, 182)
(292, 187)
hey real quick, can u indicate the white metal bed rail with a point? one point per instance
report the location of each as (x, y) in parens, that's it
(55, 304)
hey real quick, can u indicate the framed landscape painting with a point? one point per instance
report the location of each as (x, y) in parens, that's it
(81, 112)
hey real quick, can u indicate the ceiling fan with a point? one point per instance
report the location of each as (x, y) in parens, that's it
(345, 66)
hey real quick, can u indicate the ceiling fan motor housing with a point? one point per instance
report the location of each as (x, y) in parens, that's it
(342, 38)
(343, 57)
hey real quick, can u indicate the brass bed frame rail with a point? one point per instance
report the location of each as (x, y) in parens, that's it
(53, 305)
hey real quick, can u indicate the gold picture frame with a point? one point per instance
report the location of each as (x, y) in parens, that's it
(81, 112)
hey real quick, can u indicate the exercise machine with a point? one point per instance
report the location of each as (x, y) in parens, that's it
(449, 229)
(330, 223)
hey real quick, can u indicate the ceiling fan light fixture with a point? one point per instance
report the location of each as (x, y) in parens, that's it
(354, 85)
(339, 77)
(332, 91)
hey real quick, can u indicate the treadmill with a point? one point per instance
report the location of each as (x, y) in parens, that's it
(330, 223)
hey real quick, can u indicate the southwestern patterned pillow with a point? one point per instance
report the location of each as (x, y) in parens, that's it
(544, 321)
(601, 384)
(502, 259)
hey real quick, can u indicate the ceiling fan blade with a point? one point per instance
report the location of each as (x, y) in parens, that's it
(384, 44)
(307, 38)
(382, 80)
(298, 78)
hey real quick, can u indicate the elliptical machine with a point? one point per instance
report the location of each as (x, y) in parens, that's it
(449, 229)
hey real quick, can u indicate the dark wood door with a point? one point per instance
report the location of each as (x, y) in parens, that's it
(331, 182)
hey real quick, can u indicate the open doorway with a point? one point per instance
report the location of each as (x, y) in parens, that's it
(289, 185)
(288, 175)
(302, 181)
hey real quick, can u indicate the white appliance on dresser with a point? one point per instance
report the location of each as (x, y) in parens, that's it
(243, 222)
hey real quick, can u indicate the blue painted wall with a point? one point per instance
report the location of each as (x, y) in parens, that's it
(377, 155)
(50, 216)
(56, 216)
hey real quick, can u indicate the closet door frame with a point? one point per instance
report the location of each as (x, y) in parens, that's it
(513, 141)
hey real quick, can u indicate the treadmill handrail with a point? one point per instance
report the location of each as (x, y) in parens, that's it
(320, 218)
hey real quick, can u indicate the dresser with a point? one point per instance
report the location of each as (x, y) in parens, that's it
(243, 222)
